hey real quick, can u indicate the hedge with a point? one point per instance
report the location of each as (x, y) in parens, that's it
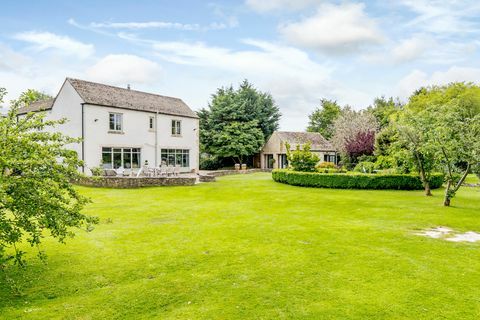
(354, 181)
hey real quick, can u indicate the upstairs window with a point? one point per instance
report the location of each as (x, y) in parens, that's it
(116, 122)
(176, 127)
(151, 123)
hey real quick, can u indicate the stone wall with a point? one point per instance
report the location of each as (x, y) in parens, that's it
(219, 173)
(133, 182)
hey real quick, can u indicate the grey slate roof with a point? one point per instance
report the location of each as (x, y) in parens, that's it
(37, 106)
(105, 95)
(109, 96)
(317, 141)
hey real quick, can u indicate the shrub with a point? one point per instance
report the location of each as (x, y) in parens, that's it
(354, 180)
(326, 165)
(210, 163)
(384, 162)
(302, 160)
(96, 171)
(364, 167)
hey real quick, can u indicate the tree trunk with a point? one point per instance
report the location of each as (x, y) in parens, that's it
(446, 200)
(423, 176)
(428, 192)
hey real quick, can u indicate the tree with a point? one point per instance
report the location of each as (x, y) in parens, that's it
(238, 140)
(454, 112)
(440, 127)
(360, 144)
(30, 96)
(348, 127)
(383, 109)
(37, 198)
(234, 115)
(321, 119)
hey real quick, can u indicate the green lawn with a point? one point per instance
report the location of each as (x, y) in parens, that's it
(246, 247)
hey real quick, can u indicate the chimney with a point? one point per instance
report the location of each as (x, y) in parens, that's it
(128, 86)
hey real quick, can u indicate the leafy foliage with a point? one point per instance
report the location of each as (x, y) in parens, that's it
(354, 181)
(29, 96)
(365, 167)
(302, 159)
(36, 195)
(321, 120)
(384, 109)
(237, 122)
(353, 134)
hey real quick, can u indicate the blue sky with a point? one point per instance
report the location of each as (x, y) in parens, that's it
(299, 51)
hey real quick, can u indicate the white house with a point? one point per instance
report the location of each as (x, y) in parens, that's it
(274, 153)
(124, 128)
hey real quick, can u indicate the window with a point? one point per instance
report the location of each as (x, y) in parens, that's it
(176, 157)
(176, 127)
(116, 121)
(329, 158)
(114, 158)
(151, 121)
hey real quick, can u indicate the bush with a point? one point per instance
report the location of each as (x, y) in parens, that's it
(326, 165)
(354, 180)
(96, 171)
(303, 160)
(384, 162)
(365, 167)
(210, 163)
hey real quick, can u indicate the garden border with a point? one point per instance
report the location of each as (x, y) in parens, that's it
(355, 180)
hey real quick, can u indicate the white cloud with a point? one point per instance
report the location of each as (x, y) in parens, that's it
(11, 60)
(295, 80)
(122, 69)
(334, 28)
(270, 5)
(444, 17)
(411, 49)
(45, 40)
(231, 22)
(417, 79)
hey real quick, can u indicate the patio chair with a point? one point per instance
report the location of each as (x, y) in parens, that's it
(170, 170)
(163, 171)
(176, 170)
(110, 172)
(120, 171)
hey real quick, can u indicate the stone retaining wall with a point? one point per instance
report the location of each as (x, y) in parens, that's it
(219, 173)
(133, 182)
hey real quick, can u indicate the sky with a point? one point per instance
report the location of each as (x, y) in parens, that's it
(299, 51)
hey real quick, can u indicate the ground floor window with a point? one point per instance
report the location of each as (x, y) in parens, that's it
(269, 161)
(282, 161)
(176, 157)
(329, 158)
(115, 158)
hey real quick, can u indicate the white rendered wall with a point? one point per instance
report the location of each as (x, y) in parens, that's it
(137, 134)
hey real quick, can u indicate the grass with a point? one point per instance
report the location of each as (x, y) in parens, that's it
(472, 179)
(246, 247)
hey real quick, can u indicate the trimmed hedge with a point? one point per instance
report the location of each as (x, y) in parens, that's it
(354, 181)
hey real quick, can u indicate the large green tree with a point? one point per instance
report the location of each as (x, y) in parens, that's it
(384, 109)
(37, 198)
(322, 118)
(29, 96)
(237, 122)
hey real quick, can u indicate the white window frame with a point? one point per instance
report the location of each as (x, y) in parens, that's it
(117, 122)
(176, 128)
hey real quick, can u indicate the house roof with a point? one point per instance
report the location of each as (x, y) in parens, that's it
(317, 141)
(105, 95)
(110, 96)
(37, 106)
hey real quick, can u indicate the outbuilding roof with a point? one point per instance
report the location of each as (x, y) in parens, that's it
(316, 140)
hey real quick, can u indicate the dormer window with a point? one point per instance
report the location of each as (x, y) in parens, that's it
(116, 122)
(176, 128)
